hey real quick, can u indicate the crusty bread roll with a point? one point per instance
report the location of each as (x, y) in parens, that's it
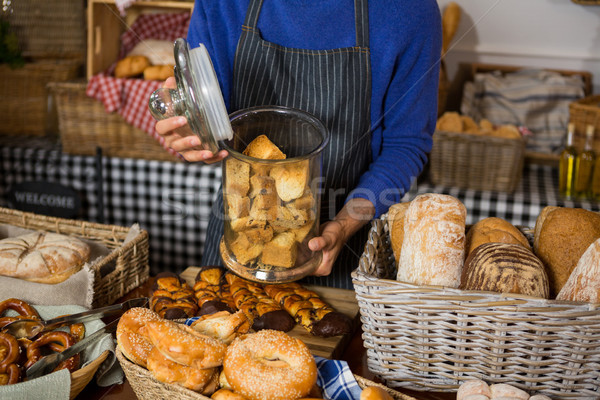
(584, 282)
(433, 248)
(42, 257)
(131, 66)
(396, 215)
(473, 387)
(538, 225)
(158, 72)
(564, 235)
(494, 229)
(505, 268)
(508, 391)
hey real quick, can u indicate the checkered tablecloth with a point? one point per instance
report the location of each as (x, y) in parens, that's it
(172, 201)
(537, 189)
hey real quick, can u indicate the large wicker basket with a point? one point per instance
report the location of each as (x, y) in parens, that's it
(124, 269)
(84, 125)
(582, 113)
(24, 95)
(146, 387)
(434, 338)
(476, 162)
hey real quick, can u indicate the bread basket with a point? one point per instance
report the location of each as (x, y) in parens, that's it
(146, 387)
(432, 338)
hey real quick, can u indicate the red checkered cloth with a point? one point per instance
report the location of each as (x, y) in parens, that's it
(129, 97)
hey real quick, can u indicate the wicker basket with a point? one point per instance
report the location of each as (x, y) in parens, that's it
(83, 376)
(146, 387)
(582, 113)
(25, 99)
(85, 125)
(49, 28)
(124, 269)
(476, 162)
(434, 338)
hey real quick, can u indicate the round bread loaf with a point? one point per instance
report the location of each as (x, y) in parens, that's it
(42, 257)
(564, 235)
(494, 229)
(505, 268)
(584, 282)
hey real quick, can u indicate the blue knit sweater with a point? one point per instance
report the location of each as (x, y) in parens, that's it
(405, 43)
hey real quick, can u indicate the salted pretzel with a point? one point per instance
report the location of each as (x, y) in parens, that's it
(211, 291)
(57, 341)
(20, 307)
(172, 298)
(309, 310)
(9, 351)
(262, 311)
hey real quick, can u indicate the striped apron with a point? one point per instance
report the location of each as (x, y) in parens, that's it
(335, 86)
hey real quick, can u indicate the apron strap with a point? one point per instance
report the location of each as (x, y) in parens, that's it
(361, 19)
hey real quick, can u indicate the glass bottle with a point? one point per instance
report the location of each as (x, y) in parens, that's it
(595, 184)
(584, 165)
(567, 165)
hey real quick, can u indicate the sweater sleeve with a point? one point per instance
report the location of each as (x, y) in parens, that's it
(403, 121)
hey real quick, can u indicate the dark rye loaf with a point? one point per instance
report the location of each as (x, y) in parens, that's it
(505, 268)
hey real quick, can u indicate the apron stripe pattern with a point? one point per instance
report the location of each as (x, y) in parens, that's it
(335, 86)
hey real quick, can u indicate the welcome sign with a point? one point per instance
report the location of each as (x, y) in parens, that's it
(47, 198)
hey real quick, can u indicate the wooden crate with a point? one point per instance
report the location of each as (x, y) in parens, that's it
(105, 26)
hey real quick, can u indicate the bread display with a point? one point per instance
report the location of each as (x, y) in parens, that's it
(494, 229)
(433, 248)
(505, 268)
(42, 257)
(452, 121)
(211, 291)
(270, 210)
(262, 311)
(309, 310)
(172, 298)
(564, 235)
(131, 66)
(584, 282)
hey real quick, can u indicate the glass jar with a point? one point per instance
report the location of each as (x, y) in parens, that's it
(271, 207)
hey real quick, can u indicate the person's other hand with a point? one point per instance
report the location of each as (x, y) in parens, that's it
(178, 136)
(331, 241)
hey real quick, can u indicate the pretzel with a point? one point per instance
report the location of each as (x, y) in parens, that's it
(57, 341)
(9, 370)
(19, 306)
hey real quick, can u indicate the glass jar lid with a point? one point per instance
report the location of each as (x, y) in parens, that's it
(198, 96)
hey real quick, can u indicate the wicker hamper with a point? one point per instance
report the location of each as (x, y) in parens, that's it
(434, 338)
(25, 99)
(84, 125)
(582, 113)
(476, 162)
(146, 387)
(124, 269)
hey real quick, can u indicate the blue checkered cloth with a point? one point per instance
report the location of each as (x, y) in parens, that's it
(334, 377)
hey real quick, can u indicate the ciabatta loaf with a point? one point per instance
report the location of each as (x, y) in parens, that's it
(505, 268)
(584, 282)
(433, 248)
(42, 257)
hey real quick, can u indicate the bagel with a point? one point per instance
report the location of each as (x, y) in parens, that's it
(183, 345)
(131, 339)
(270, 365)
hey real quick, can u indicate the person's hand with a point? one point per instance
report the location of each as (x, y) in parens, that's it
(334, 234)
(178, 136)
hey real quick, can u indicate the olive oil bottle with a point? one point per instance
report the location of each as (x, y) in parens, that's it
(584, 166)
(595, 184)
(567, 165)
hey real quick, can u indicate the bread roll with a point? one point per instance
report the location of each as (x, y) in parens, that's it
(509, 391)
(505, 268)
(565, 234)
(396, 215)
(538, 225)
(584, 282)
(375, 393)
(494, 229)
(42, 257)
(433, 248)
(158, 72)
(473, 387)
(131, 66)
